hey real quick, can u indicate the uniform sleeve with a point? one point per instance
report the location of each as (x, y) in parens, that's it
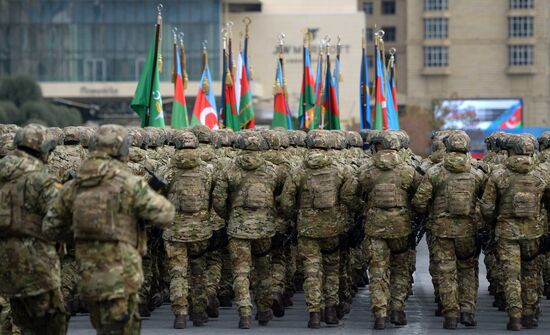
(349, 191)
(423, 195)
(220, 193)
(151, 206)
(288, 195)
(489, 199)
(56, 225)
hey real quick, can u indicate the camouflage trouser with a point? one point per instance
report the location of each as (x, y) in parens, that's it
(457, 260)
(432, 267)
(226, 280)
(345, 283)
(389, 274)
(290, 258)
(546, 271)
(321, 271)
(278, 270)
(69, 279)
(145, 291)
(40, 314)
(521, 282)
(242, 260)
(6, 322)
(116, 316)
(213, 272)
(180, 260)
(412, 262)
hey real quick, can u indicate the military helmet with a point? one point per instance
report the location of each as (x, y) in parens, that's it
(387, 140)
(223, 138)
(8, 128)
(491, 140)
(544, 141)
(203, 133)
(157, 137)
(86, 134)
(185, 139)
(319, 139)
(275, 139)
(285, 137)
(137, 136)
(72, 135)
(297, 138)
(339, 139)
(6, 143)
(35, 137)
(56, 134)
(404, 138)
(111, 139)
(457, 142)
(249, 140)
(520, 145)
(354, 139)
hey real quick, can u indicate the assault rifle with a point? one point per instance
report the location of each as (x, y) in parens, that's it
(156, 182)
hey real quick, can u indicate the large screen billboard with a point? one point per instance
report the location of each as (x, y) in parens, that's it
(480, 114)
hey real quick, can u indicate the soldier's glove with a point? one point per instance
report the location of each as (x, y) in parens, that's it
(156, 182)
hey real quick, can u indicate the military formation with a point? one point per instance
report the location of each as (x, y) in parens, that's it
(116, 221)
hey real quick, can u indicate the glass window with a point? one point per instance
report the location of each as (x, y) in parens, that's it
(368, 7)
(522, 4)
(436, 56)
(436, 5)
(370, 34)
(389, 34)
(436, 28)
(388, 7)
(520, 55)
(520, 26)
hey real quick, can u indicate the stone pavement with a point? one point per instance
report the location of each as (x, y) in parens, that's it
(420, 314)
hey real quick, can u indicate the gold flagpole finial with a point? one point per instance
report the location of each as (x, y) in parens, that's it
(159, 22)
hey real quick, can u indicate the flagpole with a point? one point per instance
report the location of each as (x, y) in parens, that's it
(175, 45)
(327, 51)
(223, 111)
(182, 61)
(155, 60)
(363, 80)
(304, 112)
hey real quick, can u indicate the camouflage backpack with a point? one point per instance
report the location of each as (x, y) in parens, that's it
(320, 189)
(388, 193)
(255, 190)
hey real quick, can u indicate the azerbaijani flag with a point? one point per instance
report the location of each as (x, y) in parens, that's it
(281, 111)
(330, 101)
(511, 119)
(317, 109)
(179, 109)
(306, 112)
(246, 111)
(231, 116)
(364, 93)
(204, 111)
(381, 113)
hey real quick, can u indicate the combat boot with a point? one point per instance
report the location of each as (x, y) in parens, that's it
(547, 291)
(398, 318)
(180, 321)
(330, 315)
(245, 321)
(529, 322)
(380, 323)
(314, 320)
(514, 324)
(265, 317)
(450, 323)
(212, 306)
(199, 319)
(277, 305)
(468, 319)
(439, 310)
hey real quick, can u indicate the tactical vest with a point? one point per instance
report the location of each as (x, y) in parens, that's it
(386, 191)
(255, 190)
(98, 214)
(320, 189)
(456, 195)
(15, 219)
(188, 191)
(521, 198)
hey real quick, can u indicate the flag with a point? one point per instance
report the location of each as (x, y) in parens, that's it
(330, 102)
(337, 78)
(147, 101)
(204, 111)
(179, 109)
(281, 112)
(246, 111)
(393, 118)
(381, 115)
(394, 92)
(229, 105)
(364, 92)
(317, 110)
(306, 110)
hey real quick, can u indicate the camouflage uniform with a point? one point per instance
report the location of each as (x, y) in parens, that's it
(186, 241)
(315, 193)
(248, 185)
(108, 254)
(513, 199)
(453, 188)
(385, 186)
(30, 272)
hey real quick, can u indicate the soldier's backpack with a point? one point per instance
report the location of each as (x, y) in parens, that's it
(320, 189)
(460, 194)
(526, 197)
(255, 190)
(389, 193)
(15, 220)
(187, 191)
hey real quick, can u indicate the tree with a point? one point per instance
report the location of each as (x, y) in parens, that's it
(10, 113)
(19, 89)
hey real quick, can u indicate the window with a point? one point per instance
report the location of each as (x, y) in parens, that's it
(388, 7)
(389, 34)
(520, 55)
(436, 28)
(244, 7)
(368, 8)
(433, 5)
(94, 69)
(436, 56)
(520, 26)
(370, 34)
(522, 4)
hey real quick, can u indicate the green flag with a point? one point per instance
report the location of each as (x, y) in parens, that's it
(147, 96)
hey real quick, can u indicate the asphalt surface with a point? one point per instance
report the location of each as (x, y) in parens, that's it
(420, 314)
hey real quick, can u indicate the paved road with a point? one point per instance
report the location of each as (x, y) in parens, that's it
(420, 314)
